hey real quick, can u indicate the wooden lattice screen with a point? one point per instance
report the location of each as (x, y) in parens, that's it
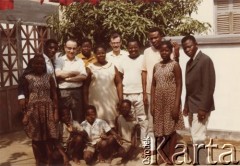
(18, 43)
(8, 58)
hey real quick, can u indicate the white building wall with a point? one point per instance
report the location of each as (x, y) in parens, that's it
(205, 13)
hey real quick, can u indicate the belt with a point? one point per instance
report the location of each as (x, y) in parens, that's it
(132, 93)
(70, 88)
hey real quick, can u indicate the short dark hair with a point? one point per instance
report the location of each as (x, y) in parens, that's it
(155, 29)
(99, 45)
(91, 107)
(86, 40)
(188, 37)
(127, 101)
(133, 40)
(115, 35)
(49, 41)
(73, 40)
(168, 43)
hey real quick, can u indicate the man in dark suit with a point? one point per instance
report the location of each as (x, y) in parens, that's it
(200, 85)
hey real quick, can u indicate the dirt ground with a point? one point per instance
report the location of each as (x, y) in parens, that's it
(15, 150)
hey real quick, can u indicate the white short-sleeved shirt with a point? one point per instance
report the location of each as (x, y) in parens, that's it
(151, 57)
(116, 59)
(95, 130)
(77, 64)
(132, 74)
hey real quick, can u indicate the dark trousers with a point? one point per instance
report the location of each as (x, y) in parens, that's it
(72, 100)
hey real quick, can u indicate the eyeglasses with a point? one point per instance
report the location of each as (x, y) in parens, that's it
(115, 43)
(72, 48)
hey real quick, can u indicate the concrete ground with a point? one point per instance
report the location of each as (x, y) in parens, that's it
(15, 150)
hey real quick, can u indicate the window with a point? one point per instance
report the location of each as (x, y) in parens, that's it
(227, 16)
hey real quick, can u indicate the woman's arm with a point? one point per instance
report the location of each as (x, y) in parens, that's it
(153, 87)
(144, 85)
(119, 86)
(53, 90)
(178, 77)
(86, 85)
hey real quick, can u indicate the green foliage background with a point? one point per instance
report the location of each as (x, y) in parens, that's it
(130, 19)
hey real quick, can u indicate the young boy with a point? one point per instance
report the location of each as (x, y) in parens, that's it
(74, 138)
(101, 137)
(127, 128)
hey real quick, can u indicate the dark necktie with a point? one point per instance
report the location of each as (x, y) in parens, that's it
(190, 62)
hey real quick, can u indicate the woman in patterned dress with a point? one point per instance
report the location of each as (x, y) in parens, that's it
(103, 87)
(41, 115)
(166, 100)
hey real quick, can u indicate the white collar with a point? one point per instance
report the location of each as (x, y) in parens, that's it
(66, 58)
(194, 57)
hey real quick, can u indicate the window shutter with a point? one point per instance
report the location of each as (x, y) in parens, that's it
(228, 16)
(223, 16)
(236, 16)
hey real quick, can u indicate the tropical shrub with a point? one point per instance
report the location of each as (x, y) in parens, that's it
(130, 19)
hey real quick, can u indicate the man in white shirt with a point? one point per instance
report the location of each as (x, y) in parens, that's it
(50, 50)
(151, 57)
(116, 54)
(131, 70)
(71, 73)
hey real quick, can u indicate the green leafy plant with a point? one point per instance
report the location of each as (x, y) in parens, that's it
(131, 19)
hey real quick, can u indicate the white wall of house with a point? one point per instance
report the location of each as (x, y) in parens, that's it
(205, 13)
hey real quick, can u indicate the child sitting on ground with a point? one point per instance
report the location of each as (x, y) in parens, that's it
(127, 128)
(101, 137)
(74, 138)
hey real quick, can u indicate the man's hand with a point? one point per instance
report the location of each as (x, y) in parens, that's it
(175, 115)
(185, 112)
(118, 139)
(176, 50)
(22, 104)
(25, 119)
(73, 73)
(175, 45)
(202, 115)
(70, 128)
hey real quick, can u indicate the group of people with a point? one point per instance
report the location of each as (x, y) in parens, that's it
(91, 103)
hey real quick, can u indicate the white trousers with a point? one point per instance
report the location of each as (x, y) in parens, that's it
(138, 111)
(198, 129)
(150, 131)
